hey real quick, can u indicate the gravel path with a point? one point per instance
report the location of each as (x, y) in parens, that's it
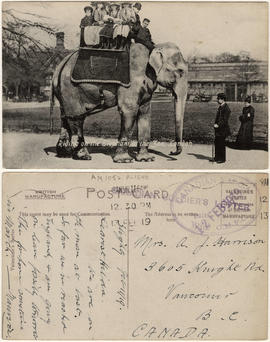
(37, 151)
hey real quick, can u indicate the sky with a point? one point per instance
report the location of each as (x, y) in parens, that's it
(198, 28)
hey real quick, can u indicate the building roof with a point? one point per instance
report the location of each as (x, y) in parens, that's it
(228, 72)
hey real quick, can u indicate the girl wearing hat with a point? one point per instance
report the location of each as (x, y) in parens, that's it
(91, 33)
(99, 14)
(245, 134)
(86, 21)
(135, 27)
(121, 31)
(106, 33)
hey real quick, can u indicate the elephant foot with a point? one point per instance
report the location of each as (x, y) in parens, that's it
(178, 151)
(144, 156)
(123, 157)
(64, 149)
(81, 154)
(121, 154)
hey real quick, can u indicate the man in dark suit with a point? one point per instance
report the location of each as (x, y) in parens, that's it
(222, 129)
(144, 36)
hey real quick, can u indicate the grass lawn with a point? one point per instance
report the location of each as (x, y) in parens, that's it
(198, 122)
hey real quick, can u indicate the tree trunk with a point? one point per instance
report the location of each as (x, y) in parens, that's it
(17, 86)
(28, 90)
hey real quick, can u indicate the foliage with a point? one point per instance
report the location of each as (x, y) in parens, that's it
(23, 50)
(248, 70)
(227, 57)
(224, 57)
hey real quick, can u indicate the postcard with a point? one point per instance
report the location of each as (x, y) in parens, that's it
(135, 85)
(134, 256)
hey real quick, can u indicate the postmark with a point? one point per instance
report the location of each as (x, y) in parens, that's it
(229, 204)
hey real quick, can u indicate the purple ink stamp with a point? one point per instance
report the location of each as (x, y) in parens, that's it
(212, 204)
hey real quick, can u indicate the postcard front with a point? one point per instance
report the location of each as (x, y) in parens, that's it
(135, 85)
(134, 256)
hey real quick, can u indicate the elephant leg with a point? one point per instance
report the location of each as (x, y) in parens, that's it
(128, 117)
(63, 146)
(80, 151)
(144, 133)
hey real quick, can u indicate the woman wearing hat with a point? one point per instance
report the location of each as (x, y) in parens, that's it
(245, 134)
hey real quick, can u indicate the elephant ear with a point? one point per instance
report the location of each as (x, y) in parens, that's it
(156, 60)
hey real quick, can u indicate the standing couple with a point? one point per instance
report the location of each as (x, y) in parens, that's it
(222, 129)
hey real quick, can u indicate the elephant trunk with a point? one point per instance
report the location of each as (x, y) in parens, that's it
(179, 93)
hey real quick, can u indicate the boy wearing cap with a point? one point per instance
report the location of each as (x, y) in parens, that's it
(87, 20)
(222, 129)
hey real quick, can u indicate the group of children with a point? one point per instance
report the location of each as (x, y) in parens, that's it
(114, 25)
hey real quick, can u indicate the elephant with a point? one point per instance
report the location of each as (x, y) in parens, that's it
(165, 66)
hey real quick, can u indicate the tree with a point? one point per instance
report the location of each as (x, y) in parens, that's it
(227, 57)
(23, 51)
(248, 70)
(197, 59)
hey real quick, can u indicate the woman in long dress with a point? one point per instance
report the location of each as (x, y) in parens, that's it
(245, 134)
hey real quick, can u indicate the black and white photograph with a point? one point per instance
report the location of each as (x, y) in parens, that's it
(135, 85)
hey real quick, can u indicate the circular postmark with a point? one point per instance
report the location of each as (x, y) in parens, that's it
(212, 204)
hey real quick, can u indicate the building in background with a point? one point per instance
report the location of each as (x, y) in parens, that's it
(51, 63)
(236, 80)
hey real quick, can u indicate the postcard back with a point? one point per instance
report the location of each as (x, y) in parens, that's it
(134, 256)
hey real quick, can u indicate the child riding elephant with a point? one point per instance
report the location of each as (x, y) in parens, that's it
(111, 20)
(91, 33)
(127, 18)
(86, 21)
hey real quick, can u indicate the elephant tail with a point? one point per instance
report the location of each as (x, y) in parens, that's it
(51, 108)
